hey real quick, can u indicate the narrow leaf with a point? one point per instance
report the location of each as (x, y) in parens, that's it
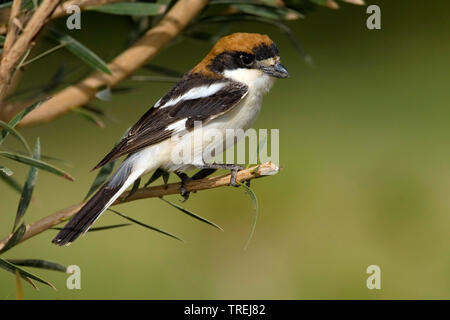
(193, 215)
(80, 51)
(146, 225)
(136, 184)
(15, 238)
(255, 212)
(90, 116)
(114, 226)
(163, 70)
(6, 5)
(269, 12)
(131, 8)
(28, 188)
(16, 134)
(261, 145)
(8, 266)
(10, 181)
(19, 286)
(14, 121)
(38, 263)
(104, 94)
(45, 53)
(37, 163)
(158, 173)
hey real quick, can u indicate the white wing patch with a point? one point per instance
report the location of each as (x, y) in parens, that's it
(177, 125)
(157, 103)
(194, 93)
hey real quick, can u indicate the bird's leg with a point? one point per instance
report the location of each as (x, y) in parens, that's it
(234, 168)
(203, 173)
(184, 180)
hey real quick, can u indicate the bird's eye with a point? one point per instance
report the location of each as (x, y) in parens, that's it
(247, 59)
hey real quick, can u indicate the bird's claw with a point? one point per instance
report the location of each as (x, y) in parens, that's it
(184, 180)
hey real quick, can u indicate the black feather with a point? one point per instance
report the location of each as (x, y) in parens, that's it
(84, 218)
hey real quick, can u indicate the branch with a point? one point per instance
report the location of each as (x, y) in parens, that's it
(12, 27)
(61, 10)
(20, 46)
(181, 14)
(266, 169)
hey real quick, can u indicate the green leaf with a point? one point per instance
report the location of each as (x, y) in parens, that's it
(269, 12)
(14, 121)
(15, 238)
(28, 188)
(90, 116)
(8, 266)
(19, 286)
(271, 3)
(255, 212)
(45, 53)
(146, 225)
(158, 173)
(193, 215)
(37, 163)
(261, 145)
(6, 171)
(10, 181)
(6, 5)
(163, 70)
(101, 228)
(136, 184)
(80, 51)
(131, 8)
(104, 93)
(38, 263)
(101, 177)
(15, 133)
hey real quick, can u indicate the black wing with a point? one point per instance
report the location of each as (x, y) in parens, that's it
(152, 127)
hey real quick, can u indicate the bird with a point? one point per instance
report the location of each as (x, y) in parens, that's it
(224, 91)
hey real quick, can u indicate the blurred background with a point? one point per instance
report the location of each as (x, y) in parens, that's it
(364, 146)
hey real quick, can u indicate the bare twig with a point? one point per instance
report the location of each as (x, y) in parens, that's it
(181, 14)
(13, 28)
(54, 219)
(22, 43)
(61, 10)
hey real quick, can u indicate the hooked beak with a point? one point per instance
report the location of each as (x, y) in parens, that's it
(277, 70)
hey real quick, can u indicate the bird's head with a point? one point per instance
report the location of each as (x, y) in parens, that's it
(243, 57)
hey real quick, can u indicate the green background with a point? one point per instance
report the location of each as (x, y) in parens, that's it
(364, 145)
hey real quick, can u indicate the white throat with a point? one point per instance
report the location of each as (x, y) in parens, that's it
(257, 81)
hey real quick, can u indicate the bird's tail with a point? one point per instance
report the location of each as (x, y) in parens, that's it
(102, 199)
